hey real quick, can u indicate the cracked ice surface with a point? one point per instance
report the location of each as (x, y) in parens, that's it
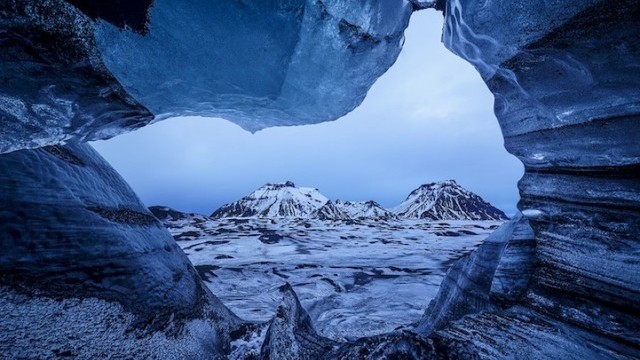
(358, 279)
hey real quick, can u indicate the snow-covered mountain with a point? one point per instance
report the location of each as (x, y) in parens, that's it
(364, 210)
(446, 200)
(330, 211)
(275, 200)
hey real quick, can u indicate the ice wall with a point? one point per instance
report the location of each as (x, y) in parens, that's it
(54, 86)
(467, 287)
(71, 228)
(257, 63)
(565, 79)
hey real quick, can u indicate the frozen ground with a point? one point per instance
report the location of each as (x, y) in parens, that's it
(355, 278)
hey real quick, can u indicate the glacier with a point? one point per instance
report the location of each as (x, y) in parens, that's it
(76, 242)
(355, 277)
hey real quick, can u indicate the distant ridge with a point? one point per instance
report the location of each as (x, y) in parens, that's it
(444, 200)
(165, 213)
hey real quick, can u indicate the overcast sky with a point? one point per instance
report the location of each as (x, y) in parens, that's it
(428, 118)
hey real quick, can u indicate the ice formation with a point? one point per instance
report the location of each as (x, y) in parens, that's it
(563, 74)
(565, 78)
(73, 229)
(257, 63)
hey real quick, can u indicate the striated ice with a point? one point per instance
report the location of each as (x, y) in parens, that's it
(565, 77)
(532, 213)
(71, 228)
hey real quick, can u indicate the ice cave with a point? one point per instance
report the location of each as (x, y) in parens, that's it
(87, 272)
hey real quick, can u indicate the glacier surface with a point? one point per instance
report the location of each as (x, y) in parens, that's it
(355, 277)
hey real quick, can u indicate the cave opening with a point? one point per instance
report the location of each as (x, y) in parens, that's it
(83, 257)
(428, 118)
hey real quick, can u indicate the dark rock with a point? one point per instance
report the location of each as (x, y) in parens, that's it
(291, 334)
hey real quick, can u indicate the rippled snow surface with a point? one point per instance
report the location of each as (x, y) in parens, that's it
(355, 278)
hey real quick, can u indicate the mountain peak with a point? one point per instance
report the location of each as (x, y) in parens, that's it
(280, 185)
(364, 210)
(442, 200)
(275, 200)
(446, 200)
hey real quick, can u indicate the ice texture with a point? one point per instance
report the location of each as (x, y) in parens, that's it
(257, 63)
(565, 79)
(72, 228)
(36, 326)
(355, 277)
(291, 334)
(467, 287)
(91, 72)
(564, 74)
(54, 84)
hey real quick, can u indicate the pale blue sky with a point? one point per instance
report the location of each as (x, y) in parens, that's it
(428, 118)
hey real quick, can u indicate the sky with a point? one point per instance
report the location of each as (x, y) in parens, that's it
(429, 118)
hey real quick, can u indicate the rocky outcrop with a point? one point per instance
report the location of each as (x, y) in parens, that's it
(330, 211)
(291, 334)
(275, 201)
(364, 210)
(168, 215)
(445, 200)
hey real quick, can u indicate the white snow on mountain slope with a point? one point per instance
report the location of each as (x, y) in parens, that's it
(364, 210)
(331, 211)
(275, 200)
(446, 200)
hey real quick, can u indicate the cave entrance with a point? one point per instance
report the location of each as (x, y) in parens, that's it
(429, 118)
